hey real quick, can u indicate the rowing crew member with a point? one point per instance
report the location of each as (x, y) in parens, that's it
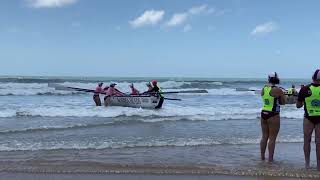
(96, 96)
(309, 97)
(112, 91)
(272, 97)
(134, 91)
(157, 90)
(149, 85)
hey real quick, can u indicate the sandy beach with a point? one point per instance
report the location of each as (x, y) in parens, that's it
(34, 176)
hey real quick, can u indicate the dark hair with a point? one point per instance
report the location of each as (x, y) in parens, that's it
(315, 75)
(274, 80)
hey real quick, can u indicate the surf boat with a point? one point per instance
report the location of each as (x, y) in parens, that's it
(139, 101)
(291, 99)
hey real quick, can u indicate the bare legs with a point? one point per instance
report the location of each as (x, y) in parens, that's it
(270, 129)
(107, 101)
(97, 100)
(307, 132)
(264, 139)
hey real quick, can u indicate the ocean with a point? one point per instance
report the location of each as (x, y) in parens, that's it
(43, 129)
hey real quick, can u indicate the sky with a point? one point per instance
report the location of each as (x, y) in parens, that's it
(160, 38)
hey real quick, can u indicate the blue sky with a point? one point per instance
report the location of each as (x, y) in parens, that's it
(181, 38)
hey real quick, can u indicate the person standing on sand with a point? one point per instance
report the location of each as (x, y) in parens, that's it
(272, 97)
(96, 94)
(309, 97)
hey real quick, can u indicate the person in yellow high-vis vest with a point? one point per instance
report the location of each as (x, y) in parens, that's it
(292, 91)
(309, 97)
(272, 97)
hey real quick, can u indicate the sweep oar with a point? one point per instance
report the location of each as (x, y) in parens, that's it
(173, 99)
(66, 88)
(176, 92)
(244, 89)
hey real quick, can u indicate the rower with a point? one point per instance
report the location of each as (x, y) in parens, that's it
(149, 85)
(96, 96)
(112, 91)
(292, 91)
(156, 89)
(134, 91)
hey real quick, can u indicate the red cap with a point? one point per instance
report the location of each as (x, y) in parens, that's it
(154, 82)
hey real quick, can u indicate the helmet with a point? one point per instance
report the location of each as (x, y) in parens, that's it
(316, 75)
(273, 78)
(154, 82)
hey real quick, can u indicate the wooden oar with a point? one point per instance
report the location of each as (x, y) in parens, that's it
(176, 92)
(244, 89)
(66, 88)
(173, 99)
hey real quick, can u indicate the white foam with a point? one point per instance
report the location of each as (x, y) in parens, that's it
(229, 91)
(136, 142)
(27, 89)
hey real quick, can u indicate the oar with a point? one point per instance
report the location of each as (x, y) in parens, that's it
(176, 92)
(187, 91)
(173, 99)
(66, 88)
(244, 89)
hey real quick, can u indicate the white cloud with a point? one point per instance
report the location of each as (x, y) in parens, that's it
(264, 28)
(181, 18)
(198, 9)
(187, 28)
(177, 19)
(50, 3)
(203, 9)
(150, 17)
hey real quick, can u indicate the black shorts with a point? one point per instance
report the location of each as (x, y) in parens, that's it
(267, 114)
(315, 121)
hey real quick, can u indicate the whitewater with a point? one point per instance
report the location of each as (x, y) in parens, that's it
(36, 119)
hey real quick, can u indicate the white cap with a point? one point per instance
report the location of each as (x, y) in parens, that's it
(273, 75)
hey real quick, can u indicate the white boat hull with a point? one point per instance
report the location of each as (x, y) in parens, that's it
(291, 99)
(149, 102)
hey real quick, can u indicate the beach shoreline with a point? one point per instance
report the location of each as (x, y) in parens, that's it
(95, 170)
(84, 176)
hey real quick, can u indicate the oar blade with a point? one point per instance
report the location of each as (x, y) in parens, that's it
(187, 91)
(65, 88)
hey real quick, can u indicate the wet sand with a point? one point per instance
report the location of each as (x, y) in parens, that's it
(38, 176)
(162, 162)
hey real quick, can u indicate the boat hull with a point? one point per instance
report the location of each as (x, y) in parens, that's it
(291, 99)
(150, 102)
